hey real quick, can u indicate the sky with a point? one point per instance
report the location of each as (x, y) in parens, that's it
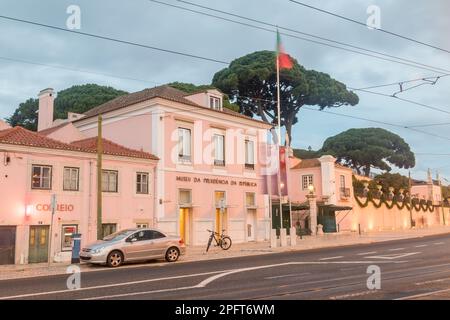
(84, 59)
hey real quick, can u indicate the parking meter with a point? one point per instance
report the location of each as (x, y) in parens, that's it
(76, 247)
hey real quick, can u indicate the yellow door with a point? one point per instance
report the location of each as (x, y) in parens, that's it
(221, 220)
(184, 225)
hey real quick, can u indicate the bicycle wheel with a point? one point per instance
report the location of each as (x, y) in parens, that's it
(226, 243)
(209, 243)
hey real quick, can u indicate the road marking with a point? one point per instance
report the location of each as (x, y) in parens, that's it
(423, 295)
(438, 243)
(352, 295)
(393, 256)
(207, 281)
(431, 281)
(397, 249)
(288, 275)
(331, 258)
(109, 285)
(421, 246)
(366, 253)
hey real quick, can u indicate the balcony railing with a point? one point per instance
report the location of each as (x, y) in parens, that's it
(345, 193)
(219, 163)
(250, 166)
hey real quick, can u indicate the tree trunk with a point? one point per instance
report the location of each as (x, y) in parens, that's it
(288, 126)
(367, 170)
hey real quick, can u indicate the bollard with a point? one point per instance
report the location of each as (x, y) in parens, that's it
(293, 236)
(273, 238)
(283, 237)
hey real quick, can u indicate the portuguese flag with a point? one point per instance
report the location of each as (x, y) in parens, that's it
(284, 60)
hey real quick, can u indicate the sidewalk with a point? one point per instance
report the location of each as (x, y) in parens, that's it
(197, 253)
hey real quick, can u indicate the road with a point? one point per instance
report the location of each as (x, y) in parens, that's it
(410, 269)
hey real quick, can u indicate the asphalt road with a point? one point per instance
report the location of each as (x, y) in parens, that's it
(409, 269)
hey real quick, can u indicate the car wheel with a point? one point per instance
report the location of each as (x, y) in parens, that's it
(172, 254)
(115, 259)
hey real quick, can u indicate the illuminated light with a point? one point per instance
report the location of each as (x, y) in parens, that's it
(29, 210)
(311, 188)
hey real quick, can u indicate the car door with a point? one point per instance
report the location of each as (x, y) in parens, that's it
(159, 244)
(138, 249)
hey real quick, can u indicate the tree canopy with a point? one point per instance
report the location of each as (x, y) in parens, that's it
(191, 88)
(78, 99)
(366, 148)
(251, 82)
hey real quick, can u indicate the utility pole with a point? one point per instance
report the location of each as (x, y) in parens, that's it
(410, 200)
(50, 237)
(99, 177)
(441, 198)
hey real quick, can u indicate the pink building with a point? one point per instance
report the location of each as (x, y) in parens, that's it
(34, 167)
(322, 188)
(208, 176)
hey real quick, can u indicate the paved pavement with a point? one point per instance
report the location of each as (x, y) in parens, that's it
(416, 268)
(197, 253)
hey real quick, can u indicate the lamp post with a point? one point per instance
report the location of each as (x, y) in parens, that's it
(312, 209)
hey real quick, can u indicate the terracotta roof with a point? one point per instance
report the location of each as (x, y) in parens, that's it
(164, 92)
(307, 163)
(111, 148)
(311, 163)
(50, 130)
(23, 137)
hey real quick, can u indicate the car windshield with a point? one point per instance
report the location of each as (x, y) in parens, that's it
(118, 235)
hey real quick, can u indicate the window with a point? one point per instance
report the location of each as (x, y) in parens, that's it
(141, 225)
(307, 181)
(142, 182)
(109, 181)
(345, 192)
(219, 150)
(184, 197)
(71, 178)
(250, 200)
(214, 103)
(249, 155)
(156, 234)
(108, 228)
(41, 177)
(184, 145)
(342, 181)
(66, 238)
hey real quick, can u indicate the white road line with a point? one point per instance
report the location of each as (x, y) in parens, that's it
(331, 258)
(288, 275)
(423, 294)
(207, 281)
(108, 285)
(432, 281)
(366, 253)
(393, 256)
(352, 295)
(421, 246)
(438, 243)
(218, 274)
(397, 249)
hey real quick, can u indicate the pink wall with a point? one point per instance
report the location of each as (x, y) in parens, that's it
(124, 208)
(67, 134)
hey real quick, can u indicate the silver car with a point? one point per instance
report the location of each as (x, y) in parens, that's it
(133, 245)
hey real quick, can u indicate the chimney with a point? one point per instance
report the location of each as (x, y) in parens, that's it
(45, 115)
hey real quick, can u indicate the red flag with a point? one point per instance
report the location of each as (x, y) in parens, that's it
(284, 60)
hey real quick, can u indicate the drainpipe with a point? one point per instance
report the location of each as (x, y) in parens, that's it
(89, 202)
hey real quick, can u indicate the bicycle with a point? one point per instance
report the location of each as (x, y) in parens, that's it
(221, 240)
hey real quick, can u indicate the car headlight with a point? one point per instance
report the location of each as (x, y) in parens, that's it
(98, 250)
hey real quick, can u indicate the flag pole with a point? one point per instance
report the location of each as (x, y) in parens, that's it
(279, 130)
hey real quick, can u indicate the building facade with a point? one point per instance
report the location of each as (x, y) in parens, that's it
(35, 168)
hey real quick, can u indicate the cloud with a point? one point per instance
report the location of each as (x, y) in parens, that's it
(174, 29)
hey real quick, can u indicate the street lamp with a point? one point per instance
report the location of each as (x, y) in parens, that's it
(311, 189)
